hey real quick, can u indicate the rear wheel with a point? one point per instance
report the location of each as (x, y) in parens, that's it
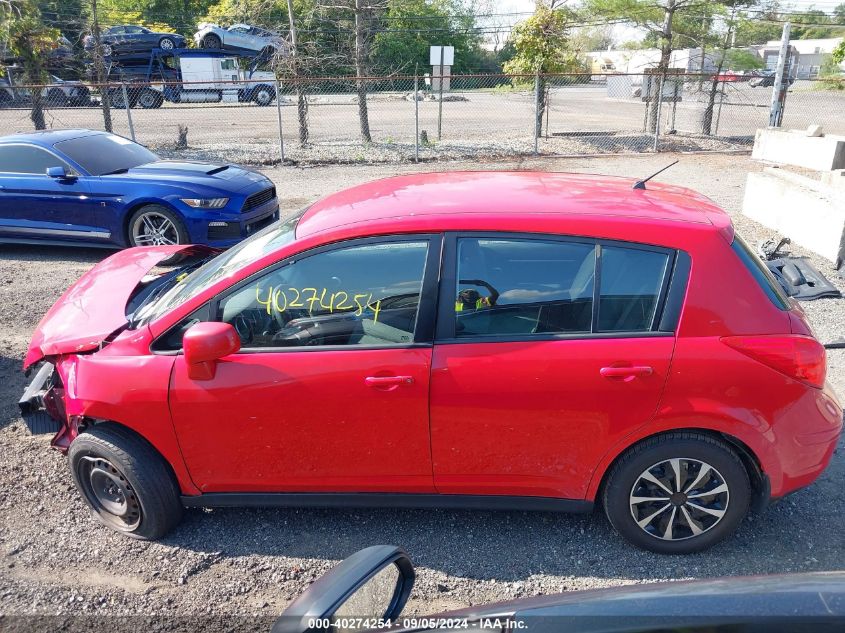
(677, 493)
(149, 99)
(167, 44)
(126, 483)
(211, 41)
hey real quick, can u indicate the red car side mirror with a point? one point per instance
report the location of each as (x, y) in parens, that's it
(204, 344)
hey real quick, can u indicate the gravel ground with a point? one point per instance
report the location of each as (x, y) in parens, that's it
(234, 563)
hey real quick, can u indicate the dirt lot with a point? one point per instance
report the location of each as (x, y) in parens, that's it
(57, 560)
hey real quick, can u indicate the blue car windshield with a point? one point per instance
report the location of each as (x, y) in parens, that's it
(101, 154)
(254, 247)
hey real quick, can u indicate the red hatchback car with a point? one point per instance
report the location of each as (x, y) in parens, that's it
(484, 340)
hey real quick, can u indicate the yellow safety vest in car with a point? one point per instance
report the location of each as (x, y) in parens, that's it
(483, 302)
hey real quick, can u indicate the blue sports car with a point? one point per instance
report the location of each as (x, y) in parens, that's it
(97, 189)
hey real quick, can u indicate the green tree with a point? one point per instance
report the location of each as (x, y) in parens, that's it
(541, 45)
(839, 53)
(30, 40)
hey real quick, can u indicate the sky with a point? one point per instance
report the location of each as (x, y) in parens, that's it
(625, 33)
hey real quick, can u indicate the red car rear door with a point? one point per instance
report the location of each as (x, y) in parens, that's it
(556, 355)
(329, 392)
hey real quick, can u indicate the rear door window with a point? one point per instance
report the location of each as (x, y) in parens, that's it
(508, 287)
(631, 280)
(513, 287)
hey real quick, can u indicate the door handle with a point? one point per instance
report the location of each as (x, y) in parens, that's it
(388, 381)
(626, 373)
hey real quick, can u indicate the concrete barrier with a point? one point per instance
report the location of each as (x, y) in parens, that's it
(797, 147)
(808, 211)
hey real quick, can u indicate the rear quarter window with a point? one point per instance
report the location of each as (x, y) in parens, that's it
(762, 275)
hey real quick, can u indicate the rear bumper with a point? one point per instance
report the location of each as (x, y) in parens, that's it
(806, 437)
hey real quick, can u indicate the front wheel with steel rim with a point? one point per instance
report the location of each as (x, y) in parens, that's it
(127, 485)
(677, 493)
(263, 95)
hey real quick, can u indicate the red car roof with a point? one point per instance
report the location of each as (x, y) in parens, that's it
(413, 199)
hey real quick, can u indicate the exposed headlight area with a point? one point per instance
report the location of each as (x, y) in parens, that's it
(205, 203)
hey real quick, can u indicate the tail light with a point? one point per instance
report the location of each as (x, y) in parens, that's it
(799, 357)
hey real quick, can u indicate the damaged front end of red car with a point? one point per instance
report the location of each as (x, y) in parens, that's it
(82, 322)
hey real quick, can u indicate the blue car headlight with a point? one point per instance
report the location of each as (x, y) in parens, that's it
(205, 203)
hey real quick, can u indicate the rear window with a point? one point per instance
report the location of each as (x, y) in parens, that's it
(762, 275)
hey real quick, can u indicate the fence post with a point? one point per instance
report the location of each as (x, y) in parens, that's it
(548, 107)
(657, 116)
(719, 111)
(440, 100)
(779, 87)
(537, 112)
(416, 117)
(126, 105)
(279, 116)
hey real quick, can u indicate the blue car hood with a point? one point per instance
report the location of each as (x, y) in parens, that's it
(195, 172)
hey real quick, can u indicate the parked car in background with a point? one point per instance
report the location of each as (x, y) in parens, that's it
(128, 39)
(369, 590)
(92, 188)
(239, 37)
(766, 79)
(59, 93)
(463, 340)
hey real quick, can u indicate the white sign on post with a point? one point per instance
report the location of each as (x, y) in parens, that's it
(448, 55)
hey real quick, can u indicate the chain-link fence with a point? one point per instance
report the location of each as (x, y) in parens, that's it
(319, 120)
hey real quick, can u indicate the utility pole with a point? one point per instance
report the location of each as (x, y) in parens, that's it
(100, 69)
(780, 86)
(360, 73)
(301, 103)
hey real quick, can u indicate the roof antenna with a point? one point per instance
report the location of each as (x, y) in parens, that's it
(640, 184)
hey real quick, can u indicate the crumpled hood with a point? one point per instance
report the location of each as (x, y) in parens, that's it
(95, 306)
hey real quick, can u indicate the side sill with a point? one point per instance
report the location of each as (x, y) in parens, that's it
(385, 500)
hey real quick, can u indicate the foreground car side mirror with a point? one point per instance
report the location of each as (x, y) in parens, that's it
(372, 583)
(204, 344)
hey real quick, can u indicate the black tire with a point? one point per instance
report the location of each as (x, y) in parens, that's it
(689, 449)
(263, 95)
(179, 228)
(167, 43)
(116, 100)
(110, 462)
(211, 41)
(55, 98)
(149, 99)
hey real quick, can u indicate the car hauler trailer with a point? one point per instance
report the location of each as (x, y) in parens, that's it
(196, 76)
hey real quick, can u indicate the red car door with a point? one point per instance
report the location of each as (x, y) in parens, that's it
(552, 354)
(329, 392)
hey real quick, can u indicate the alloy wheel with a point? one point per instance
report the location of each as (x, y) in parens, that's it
(154, 229)
(109, 493)
(679, 498)
(166, 44)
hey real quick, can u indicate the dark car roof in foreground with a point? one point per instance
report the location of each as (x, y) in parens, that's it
(48, 138)
(511, 193)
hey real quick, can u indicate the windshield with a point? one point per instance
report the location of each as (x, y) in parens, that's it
(101, 154)
(226, 263)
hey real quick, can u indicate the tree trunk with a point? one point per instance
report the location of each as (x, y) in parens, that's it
(301, 100)
(662, 66)
(360, 72)
(707, 116)
(541, 104)
(100, 69)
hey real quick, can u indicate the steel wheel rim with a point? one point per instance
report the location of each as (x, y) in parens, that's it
(109, 492)
(146, 100)
(263, 97)
(154, 229)
(166, 45)
(679, 498)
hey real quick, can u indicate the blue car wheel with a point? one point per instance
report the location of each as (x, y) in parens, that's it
(155, 225)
